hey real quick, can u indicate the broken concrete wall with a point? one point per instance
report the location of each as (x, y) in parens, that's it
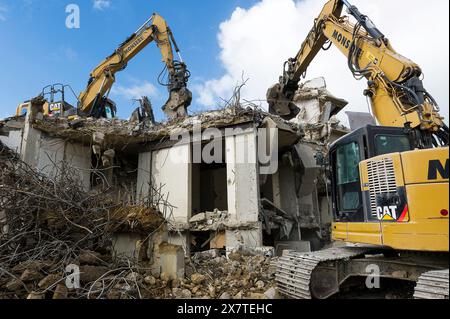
(153, 250)
(171, 170)
(318, 108)
(144, 178)
(47, 154)
(192, 188)
(30, 143)
(248, 238)
(78, 160)
(50, 156)
(13, 140)
(242, 177)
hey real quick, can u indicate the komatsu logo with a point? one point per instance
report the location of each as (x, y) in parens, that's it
(435, 169)
(342, 39)
(134, 44)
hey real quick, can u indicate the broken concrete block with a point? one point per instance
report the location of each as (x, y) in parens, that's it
(259, 284)
(199, 218)
(272, 293)
(108, 157)
(165, 277)
(97, 150)
(208, 254)
(212, 291)
(127, 245)
(179, 293)
(134, 276)
(35, 295)
(172, 260)
(198, 278)
(150, 280)
(176, 283)
(98, 138)
(225, 295)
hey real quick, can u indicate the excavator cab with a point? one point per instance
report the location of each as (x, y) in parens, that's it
(344, 158)
(53, 106)
(103, 108)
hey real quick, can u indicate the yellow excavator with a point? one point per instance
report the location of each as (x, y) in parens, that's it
(94, 101)
(390, 183)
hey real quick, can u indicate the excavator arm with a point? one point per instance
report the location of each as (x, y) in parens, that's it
(94, 99)
(395, 89)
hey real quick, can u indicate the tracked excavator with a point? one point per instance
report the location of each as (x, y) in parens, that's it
(94, 101)
(389, 182)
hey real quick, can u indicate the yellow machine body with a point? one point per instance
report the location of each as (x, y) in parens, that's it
(421, 226)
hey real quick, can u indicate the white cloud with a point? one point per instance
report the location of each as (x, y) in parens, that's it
(3, 12)
(258, 40)
(102, 4)
(136, 91)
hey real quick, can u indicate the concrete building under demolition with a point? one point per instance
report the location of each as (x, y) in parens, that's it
(234, 201)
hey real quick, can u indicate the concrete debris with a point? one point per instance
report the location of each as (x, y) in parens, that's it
(210, 220)
(317, 110)
(198, 279)
(100, 194)
(108, 158)
(120, 134)
(52, 230)
(150, 280)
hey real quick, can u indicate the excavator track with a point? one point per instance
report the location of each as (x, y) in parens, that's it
(295, 269)
(433, 285)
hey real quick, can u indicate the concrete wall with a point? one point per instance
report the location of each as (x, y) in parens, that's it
(30, 144)
(78, 157)
(47, 154)
(181, 239)
(171, 168)
(144, 175)
(50, 156)
(13, 140)
(288, 196)
(242, 177)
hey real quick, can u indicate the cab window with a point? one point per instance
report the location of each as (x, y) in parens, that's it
(347, 169)
(387, 144)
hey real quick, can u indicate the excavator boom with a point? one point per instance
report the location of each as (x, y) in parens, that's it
(92, 100)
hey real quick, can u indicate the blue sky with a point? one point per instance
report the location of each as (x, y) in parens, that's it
(38, 49)
(219, 39)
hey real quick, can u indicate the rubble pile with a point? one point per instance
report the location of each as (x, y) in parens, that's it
(242, 275)
(210, 275)
(48, 224)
